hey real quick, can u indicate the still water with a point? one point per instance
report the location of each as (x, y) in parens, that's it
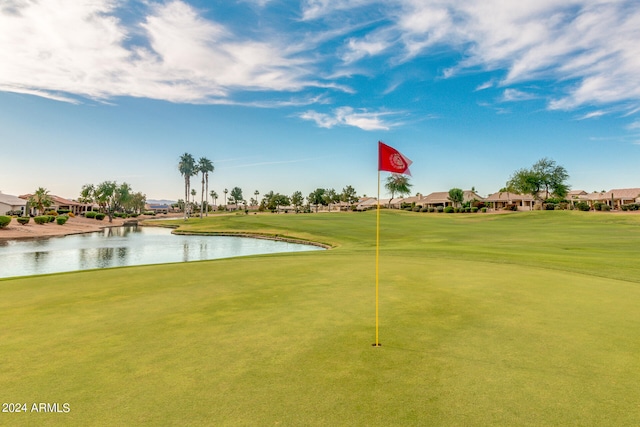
(123, 246)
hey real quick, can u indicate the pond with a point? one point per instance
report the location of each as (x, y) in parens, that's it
(124, 246)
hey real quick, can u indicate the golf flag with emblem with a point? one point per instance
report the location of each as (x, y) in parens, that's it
(391, 160)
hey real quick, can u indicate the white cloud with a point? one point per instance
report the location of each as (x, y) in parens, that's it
(592, 115)
(315, 9)
(634, 125)
(485, 85)
(516, 95)
(591, 43)
(80, 47)
(586, 51)
(347, 116)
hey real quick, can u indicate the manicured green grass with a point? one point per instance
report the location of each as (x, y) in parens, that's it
(514, 319)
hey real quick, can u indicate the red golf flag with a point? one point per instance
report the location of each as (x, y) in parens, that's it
(391, 160)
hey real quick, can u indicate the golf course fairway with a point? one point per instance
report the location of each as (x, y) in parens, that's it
(527, 319)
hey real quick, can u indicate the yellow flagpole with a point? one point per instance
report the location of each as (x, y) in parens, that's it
(377, 343)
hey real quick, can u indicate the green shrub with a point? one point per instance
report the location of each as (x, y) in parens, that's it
(439, 209)
(631, 207)
(52, 217)
(100, 216)
(4, 221)
(23, 220)
(484, 210)
(605, 208)
(478, 204)
(583, 206)
(63, 211)
(475, 209)
(41, 219)
(448, 209)
(62, 219)
(424, 209)
(13, 213)
(90, 214)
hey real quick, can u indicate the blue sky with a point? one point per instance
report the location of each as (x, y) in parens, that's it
(294, 95)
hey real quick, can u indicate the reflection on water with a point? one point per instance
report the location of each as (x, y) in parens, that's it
(121, 246)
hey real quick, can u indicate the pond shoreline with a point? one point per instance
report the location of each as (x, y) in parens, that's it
(274, 237)
(74, 225)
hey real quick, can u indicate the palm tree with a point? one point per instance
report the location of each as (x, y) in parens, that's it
(256, 193)
(41, 199)
(214, 197)
(397, 183)
(187, 168)
(225, 197)
(204, 166)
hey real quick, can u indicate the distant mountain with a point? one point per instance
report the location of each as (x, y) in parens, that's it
(160, 202)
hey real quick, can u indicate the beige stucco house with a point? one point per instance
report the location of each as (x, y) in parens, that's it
(501, 199)
(9, 203)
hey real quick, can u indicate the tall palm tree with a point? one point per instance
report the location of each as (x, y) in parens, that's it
(225, 197)
(204, 167)
(187, 168)
(214, 197)
(256, 193)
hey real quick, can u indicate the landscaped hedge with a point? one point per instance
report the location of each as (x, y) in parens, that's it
(90, 214)
(631, 207)
(42, 219)
(449, 209)
(583, 206)
(62, 219)
(100, 216)
(4, 221)
(23, 220)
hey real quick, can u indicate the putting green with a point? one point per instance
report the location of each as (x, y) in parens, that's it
(510, 330)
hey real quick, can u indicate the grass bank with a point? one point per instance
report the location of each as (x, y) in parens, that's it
(515, 319)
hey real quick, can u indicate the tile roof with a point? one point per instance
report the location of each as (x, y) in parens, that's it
(505, 196)
(10, 200)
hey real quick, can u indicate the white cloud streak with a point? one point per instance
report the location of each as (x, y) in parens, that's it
(80, 47)
(585, 51)
(591, 44)
(347, 116)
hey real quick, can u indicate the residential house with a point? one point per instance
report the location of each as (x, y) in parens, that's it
(502, 199)
(162, 208)
(441, 198)
(9, 203)
(617, 197)
(60, 203)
